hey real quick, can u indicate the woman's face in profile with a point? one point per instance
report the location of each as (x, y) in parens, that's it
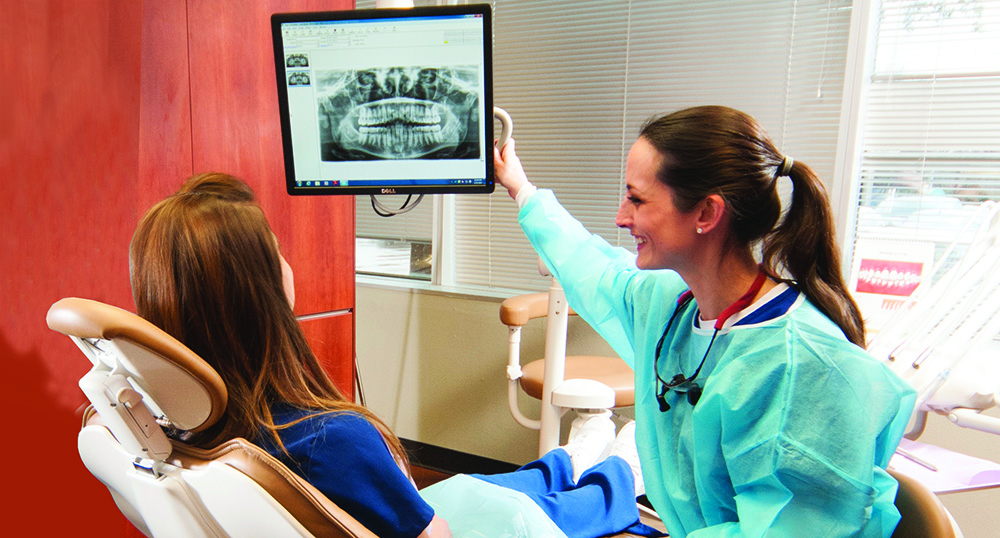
(663, 234)
(287, 280)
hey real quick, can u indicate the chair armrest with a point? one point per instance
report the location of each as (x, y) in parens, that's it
(517, 311)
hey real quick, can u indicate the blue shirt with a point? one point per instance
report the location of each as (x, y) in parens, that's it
(345, 457)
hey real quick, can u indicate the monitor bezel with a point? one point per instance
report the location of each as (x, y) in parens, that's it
(486, 127)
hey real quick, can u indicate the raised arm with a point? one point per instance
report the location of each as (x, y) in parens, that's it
(508, 170)
(598, 277)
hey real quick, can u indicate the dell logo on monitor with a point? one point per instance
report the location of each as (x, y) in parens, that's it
(388, 191)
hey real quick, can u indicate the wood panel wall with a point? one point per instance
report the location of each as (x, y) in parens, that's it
(105, 107)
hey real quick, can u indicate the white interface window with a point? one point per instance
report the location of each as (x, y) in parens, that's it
(371, 100)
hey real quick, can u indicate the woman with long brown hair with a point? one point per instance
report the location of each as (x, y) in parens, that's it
(206, 268)
(758, 411)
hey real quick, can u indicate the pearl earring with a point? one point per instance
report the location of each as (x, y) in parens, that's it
(699, 230)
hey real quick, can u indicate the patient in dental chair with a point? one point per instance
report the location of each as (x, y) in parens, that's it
(206, 268)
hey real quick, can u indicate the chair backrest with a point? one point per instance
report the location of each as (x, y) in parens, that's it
(922, 513)
(143, 378)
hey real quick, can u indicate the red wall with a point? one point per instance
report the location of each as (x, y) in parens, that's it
(105, 107)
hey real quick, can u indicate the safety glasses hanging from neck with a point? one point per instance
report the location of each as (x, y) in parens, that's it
(686, 384)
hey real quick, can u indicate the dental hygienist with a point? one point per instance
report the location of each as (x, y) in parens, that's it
(758, 412)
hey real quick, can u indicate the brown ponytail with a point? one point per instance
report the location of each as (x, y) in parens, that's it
(718, 150)
(804, 246)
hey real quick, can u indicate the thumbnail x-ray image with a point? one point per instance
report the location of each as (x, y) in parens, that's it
(298, 78)
(297, 60)
(399, 113)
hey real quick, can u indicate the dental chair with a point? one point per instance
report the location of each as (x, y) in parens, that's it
(142, 381)
(587, 384)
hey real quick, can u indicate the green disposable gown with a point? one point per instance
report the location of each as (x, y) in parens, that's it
(795, 426)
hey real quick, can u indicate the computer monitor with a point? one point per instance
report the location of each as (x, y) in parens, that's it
(386, 101)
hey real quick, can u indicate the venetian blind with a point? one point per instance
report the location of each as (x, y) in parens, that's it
(931, 139)
(580, 78)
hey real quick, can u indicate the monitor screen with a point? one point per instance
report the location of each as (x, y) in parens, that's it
(386, 101)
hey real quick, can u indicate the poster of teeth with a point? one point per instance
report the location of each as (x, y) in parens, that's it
(425, 112)
(884, 275)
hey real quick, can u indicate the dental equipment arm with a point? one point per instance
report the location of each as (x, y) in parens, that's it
(939, 341)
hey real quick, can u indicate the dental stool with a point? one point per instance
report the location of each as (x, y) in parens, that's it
(589, 385)
(922, 515)
(142, 381)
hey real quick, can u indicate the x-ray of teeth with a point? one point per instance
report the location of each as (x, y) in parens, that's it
(399, 113)
(298, 78)
(297, 60)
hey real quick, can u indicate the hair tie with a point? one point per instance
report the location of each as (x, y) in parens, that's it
(785, 167)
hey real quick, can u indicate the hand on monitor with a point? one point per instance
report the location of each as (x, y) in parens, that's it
(508, 170)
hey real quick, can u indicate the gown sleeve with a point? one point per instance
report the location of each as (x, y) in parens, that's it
(599, 279)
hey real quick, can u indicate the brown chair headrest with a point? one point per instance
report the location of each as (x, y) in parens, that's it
(189, 392)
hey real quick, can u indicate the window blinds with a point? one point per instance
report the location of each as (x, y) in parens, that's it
(931, 140)
(580, 78)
